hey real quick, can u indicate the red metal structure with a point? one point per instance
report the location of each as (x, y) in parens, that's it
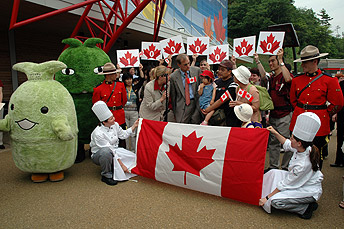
(100, 28)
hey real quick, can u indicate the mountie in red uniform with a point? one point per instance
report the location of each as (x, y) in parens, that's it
(116, 102)
(315, 97)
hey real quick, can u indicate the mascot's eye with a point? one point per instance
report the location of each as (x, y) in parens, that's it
(68, 71)
(98, 69)
(12, 106)
(44, 110)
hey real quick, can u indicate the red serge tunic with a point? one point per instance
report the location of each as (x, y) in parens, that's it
(118, 98)
(326, 88)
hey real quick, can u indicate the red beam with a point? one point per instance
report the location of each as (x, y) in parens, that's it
(124, 25)
(113, 11)
(156, 31)
(96, 25)
(44, 16)
(15, 10)
(81, 20)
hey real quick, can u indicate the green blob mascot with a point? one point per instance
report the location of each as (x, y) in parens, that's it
(84, 61)
(42, 123)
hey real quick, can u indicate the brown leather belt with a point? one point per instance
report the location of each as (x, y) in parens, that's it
(114, 108)
(311, 107)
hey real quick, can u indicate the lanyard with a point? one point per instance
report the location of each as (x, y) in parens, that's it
(129, 92)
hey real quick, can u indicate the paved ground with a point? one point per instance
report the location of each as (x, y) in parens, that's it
(83, 201)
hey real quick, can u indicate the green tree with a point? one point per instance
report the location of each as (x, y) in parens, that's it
(324, 18)
(248, 17)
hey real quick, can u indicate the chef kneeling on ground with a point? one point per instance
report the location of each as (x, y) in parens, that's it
(115, 162)
(297, 189)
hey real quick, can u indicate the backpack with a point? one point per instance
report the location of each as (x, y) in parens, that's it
(265, 101)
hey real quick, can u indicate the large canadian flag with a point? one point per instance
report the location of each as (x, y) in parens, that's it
(222, 161)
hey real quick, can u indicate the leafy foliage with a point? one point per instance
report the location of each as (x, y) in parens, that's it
(249, 17)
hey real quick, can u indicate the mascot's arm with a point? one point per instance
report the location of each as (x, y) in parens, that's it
(5, 124)
(62, 129)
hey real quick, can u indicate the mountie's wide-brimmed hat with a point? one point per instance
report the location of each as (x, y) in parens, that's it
(101, 110)
(242, 74)
(310, 52)
(306, 126)
(109, 68)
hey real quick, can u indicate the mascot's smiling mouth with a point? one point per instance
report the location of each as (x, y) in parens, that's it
(26, 124)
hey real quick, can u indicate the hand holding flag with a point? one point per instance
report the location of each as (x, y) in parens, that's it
(225, 96)
(244, 94)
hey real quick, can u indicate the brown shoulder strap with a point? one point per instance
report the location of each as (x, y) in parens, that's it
(316, 78)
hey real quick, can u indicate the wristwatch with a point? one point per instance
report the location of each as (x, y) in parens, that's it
(282, 64)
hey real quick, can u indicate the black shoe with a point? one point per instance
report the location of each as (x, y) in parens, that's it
(2, 147)
(309, 211)
(336, 165)
(109, 181)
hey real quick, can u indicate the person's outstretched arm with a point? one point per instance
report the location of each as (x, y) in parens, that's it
(280, 138)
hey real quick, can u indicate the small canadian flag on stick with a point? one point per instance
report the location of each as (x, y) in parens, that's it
(191, 80)
(225, 96)
(249, 97)
(244, 94)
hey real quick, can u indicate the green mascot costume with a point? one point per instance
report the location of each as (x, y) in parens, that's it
(42, 123)
(84, 61)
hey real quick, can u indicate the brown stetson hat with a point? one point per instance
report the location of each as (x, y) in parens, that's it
(310, 52)
(109, 68)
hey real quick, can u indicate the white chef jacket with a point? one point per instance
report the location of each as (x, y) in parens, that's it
(298, 182)
(103, 136)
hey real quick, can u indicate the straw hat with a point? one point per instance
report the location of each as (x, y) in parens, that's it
(243, 112)
(242, 74)
(109, 68)
(310, 52)
(101, 110)
(307, 126)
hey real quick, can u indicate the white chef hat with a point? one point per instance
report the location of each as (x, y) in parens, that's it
(307, 126)
(101, 110)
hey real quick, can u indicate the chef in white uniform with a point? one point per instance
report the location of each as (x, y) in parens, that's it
(115, 162)
(297, 189)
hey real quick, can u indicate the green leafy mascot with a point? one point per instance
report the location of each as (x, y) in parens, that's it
(84, 61)
(42, 123)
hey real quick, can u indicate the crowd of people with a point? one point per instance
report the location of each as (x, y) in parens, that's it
(303, 108)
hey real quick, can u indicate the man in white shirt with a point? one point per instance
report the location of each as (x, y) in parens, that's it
(115, 162)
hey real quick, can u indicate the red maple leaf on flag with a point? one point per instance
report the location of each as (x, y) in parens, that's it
(188, 159)
(151, 52)
(270, 45)
(172, 48)
(243, 48)
(219, 29)
(198, 47)
(217, 56)
(128, 59)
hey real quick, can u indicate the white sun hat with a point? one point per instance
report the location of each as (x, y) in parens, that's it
(101, 110)
(243, 112)
(242, 74)
(306, 126)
